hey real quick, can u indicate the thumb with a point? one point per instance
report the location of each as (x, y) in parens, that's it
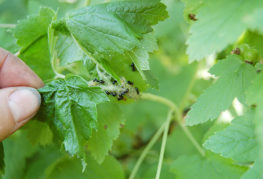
(17, 106)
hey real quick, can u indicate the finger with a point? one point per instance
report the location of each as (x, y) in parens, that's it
(17, 106)
(14, 72)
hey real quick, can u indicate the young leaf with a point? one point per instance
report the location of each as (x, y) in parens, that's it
(109, 120)
(234, 77)
(215, 29)
(237, 141)
(31, 35)
(188, 167)
(71, 108)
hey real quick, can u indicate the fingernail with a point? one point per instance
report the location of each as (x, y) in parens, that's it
(23, 103)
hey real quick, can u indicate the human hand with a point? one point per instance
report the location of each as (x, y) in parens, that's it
(19, 100)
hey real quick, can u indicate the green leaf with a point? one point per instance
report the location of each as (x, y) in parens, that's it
(217, 28)
(254, 172)
(139, 14)
(70, 106)
(255, 91)
(237, 141)
(189, 167)
(67, 50)
(99, 31)
(140, 55)
(70, 168)
(234, 77)
(31, 35)
(117, 30)
(191, 7)
(109, 119)
(253, 20)
(254, 98)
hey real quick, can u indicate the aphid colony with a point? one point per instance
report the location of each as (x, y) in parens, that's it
(122, 90)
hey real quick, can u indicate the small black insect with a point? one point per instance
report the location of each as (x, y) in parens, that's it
(114, 82)
(258, 71)
(130, 83)
(107, 92)
(113, 93)
(126, 91)
(101, 81)
(133, 67)
(96, 80)
(120, 97)
(192, 17)
(137, 91)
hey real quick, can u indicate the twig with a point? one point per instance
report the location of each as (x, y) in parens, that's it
(146, 150)
(165, 134)
(178, 117)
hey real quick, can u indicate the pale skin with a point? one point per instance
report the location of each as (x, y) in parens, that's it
(19, 99)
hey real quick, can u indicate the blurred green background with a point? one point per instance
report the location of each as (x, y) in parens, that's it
(179, 81)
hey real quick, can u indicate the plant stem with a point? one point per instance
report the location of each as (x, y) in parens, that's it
(178, 117)
(189, 89)
(7, 25)
(159, 99)
(192, 139)
(165, 134)
(146, 150)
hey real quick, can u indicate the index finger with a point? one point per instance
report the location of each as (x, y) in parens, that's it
(14, 72)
